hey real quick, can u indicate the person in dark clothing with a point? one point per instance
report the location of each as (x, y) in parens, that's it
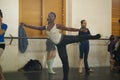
(61, 40)
(117, 54)
(111, 50)
(84, 47)
(111, 45)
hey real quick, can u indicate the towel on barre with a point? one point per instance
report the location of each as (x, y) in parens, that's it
(22, 42)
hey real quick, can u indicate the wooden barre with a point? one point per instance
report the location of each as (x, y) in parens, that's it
(42, 38)
(11, 37)
(25, 37)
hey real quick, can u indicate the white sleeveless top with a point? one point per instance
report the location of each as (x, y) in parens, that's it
(54, 34)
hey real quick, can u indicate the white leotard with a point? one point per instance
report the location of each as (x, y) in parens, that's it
(54, 34)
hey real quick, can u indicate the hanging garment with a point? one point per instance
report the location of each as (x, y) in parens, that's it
(22, 42)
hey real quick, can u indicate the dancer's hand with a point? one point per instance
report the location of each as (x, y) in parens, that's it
(22, 24)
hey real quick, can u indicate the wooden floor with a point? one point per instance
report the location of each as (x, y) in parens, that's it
(102, 73)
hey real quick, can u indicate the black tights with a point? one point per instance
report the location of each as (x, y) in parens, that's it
(66, 39)
(64, 58)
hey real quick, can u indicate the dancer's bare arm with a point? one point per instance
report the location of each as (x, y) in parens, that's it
(34, 27)
(2, 31)
(67, 28)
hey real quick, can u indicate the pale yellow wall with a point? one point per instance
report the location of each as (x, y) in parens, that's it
(96, 12)
(98, 16)
(10, 13)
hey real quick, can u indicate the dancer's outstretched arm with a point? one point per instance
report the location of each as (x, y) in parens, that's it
(67, 28)
(34, 27)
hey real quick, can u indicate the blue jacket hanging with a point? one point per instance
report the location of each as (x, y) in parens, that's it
(22, 42)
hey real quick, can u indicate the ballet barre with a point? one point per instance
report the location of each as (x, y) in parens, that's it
(12, 38)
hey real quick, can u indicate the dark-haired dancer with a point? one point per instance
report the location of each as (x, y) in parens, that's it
(61, 40)
(3, 28)
(84, 47)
